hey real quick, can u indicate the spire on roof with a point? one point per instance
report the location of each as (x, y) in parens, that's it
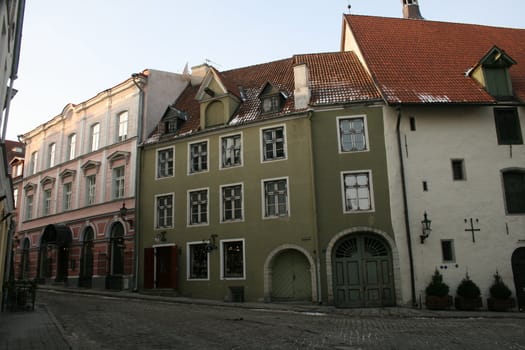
(411, 9)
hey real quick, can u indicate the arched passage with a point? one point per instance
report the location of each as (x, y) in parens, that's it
(518, 270)
(116, 251)
(54, 252)
(290, 274)
(86, 259)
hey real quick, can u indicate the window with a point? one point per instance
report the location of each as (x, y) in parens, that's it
(271, 104)
(231, 202)
(51, 155)
(198, 261)
(352, 134)
(232, 253)
(164, 211)
(91, 184)
(198, 207)
(47, 203)
(231, 151)
(273, 143)
(95, 136)
(15, 197)
(33, 163)
(118, 182)
(412, 123)
(357, 191)
(458, 169)
(165, 163)
(66, 192)
(275, 198)
(447, 250)
(508, 126)
(198, 157)
(29, 207)
(71, 145)
(514, 184)
(122, 126)
(19, 169)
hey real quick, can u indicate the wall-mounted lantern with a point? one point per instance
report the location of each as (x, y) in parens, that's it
(426, 227)
(123, 213)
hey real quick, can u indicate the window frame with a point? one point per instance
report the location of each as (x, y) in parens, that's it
(458, 169)
(201, 170)
(71, 146)
(370, 191)
(94, 131)
(119, 182)
(29, 207)
(91, 189)
(452, 251)
(189, 261)
(223, 256)
(189, 208)
(156, 213)
(33, 163)
(157, 162)
(340, 149)
(241, 146)
(222, 202)
(509, 209)
(46, 202)
(517, 127)
(265, 214)
(262, 144)
(122, 126)
(67, 196)
(51, 155)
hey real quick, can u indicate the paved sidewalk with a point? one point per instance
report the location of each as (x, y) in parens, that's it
(39, 329)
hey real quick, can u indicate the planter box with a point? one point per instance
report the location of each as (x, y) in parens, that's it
(501, 304)
(438, 303)
(467, 303)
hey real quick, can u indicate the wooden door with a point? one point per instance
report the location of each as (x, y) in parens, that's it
(518, 269)
(291, 277)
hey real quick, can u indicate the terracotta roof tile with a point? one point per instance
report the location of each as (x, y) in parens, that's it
(420, 61)
(335, 78)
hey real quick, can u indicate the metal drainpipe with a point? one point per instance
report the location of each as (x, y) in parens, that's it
(137, 179)
(405, 207)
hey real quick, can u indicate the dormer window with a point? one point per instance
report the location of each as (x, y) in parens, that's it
(173, 120)
(272, 100)
(493, 73)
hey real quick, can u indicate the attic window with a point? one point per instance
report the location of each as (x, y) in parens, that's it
(172, 125)
(173, 120)
(495, 76)
(271, 104)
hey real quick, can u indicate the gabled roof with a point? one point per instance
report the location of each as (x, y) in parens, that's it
(426, 61)
(334, 78)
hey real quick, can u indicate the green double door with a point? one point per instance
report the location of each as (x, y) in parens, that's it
(291, 277)
(362, 272)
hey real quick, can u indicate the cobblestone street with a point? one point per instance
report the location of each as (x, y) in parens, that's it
(102, 322)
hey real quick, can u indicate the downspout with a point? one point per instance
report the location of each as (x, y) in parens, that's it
(405, 207)
(140, 131)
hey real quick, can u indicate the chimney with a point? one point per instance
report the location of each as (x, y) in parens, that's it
(198, 73)
(301, 91)
(411, 9)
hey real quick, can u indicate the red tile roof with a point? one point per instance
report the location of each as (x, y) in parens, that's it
(334, 78)
(421, 61)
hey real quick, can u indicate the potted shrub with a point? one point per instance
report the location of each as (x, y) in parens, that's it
(437, 297)
(500, 295)
(468, 295)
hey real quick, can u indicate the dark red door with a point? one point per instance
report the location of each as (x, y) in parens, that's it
(149, 275)
(166, 267)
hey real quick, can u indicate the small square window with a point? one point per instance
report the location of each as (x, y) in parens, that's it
(458, 169)
(447, 250)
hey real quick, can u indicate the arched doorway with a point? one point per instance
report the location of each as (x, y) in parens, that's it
(518, 270)
(86, 259)
(362, 272)
(54, 253)
(24, 260)
(291, 277)
(116, 249)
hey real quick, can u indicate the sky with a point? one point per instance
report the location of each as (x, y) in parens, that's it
(72, 49)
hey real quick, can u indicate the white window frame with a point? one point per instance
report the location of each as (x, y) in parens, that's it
(188, 261)
(263, 197)
(190, 144)
(365, 126)
(94, 137)
(222, 220)
(189, 192)
(15, 197)
(122, 126)
(29, 207)
(91, 190)
(221, 157)
(119, 182)
(155, 219)
(46, 202)
(157, 163)
(51, 156)
(33, 162)
(221, 243)
(67, 196)
(71, 146)
(370, 190)
(262, 144)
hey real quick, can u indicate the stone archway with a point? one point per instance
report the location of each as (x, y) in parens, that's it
(362, 231)
(54, 252)
(114, 280)
(302, 261)
(86, 259)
